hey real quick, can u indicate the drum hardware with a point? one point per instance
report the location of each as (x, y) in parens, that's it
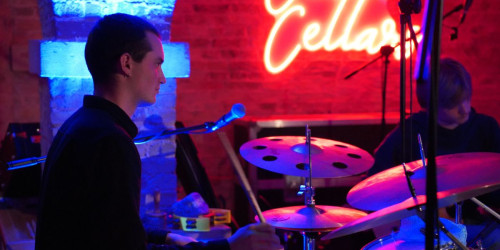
(444, 230)
(411, 206)
(307, 190)
(291, 155)
(292, 184)
(311, 219)
(487, 230)
(309, 242)
(488, 209)
(453, 173)
(458, 212)
(420, 210)
(458, 205)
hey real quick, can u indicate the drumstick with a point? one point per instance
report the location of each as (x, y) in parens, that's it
(239, 172)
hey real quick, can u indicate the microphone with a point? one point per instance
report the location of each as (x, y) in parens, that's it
(467, 4)
(237, 111)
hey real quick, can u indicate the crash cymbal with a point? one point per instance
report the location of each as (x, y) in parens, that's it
(311, 218)
(454, 171)
(408, 208)
(289, 155)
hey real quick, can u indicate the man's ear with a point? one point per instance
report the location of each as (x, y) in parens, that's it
(126, 64)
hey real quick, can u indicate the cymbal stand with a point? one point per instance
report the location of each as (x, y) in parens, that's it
(487, 229)
(307, 190)
(385, 52)
(458, 212)
(420, 210)
(421, 215)
(309, 240)
(488, 209)
(458, 205)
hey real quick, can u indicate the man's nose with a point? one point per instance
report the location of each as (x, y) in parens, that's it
(162, 77)
(464, 108)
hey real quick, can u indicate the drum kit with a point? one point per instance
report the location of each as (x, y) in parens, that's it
(386, 193)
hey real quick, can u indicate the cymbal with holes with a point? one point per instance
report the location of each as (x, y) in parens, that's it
(311, 218)
(289, 155)
(453, 171)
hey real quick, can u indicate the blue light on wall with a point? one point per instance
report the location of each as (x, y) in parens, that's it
(86, 8)
(66, 59)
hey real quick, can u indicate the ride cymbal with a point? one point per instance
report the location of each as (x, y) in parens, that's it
(408, 208)
(454, 171)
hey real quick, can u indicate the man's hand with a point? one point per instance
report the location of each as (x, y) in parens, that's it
(255, 236)
(179, 240)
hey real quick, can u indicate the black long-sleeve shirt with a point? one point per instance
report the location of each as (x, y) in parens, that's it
(91, 185)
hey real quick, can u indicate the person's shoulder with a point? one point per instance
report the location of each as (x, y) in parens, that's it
(93, 125)
(416, 121)
(483, 119)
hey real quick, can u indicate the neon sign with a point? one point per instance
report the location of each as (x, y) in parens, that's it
(312, 25)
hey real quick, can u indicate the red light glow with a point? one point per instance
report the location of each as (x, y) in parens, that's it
(314, 25)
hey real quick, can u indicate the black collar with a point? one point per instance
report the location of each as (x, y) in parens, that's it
(117, 114)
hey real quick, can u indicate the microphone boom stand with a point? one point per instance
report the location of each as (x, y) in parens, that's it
(28, 162)
(386, 51)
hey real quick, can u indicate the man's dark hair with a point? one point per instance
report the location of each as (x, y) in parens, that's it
(112, 36)
(454, 85)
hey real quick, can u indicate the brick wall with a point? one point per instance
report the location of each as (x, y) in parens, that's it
(227, 40)
(19, 99)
